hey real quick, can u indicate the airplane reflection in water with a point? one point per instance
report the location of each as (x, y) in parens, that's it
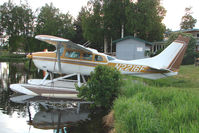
(55, 113)
(4, 73)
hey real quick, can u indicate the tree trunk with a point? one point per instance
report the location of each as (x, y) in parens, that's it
(105, 45)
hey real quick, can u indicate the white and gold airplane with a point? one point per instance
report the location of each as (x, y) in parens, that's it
(74, 59)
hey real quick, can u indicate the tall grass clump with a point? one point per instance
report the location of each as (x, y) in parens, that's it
(142, 108)
(134, 116)
(132, 87)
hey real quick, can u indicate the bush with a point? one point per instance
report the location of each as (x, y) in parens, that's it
(102, 87)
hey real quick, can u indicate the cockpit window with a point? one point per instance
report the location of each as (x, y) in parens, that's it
(98, 58)
(61, 50)
(87, 56)
(72, 54)
(110, 58)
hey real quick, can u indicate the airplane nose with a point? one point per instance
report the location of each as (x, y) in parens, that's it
(29, 56)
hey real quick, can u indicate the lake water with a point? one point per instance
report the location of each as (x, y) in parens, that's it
(29, 114)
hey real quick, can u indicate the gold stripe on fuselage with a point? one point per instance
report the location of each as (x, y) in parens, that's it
(70, 61)
(136, 68)
(121, 67)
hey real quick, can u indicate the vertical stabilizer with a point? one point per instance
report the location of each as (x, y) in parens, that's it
(170, 58)
(175, 64)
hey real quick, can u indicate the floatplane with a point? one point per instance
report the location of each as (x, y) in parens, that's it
(77, 60)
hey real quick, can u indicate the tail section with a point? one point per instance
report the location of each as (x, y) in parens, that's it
(175, 63)
(170, 58)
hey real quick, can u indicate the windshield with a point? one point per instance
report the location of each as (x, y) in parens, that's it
(110, 58)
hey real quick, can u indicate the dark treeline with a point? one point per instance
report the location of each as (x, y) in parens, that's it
(100, 22)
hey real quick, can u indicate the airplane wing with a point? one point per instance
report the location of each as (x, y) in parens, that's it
(58, 40)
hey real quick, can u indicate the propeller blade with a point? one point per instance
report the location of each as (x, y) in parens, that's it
(29, 66)
(30, 61)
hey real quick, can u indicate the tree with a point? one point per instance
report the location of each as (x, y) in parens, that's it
(18, 23)
(144, 19)
(106, 19)
(102, 87)
(114, 19)
(78, 38)
(187, 21)
(51, 22)
(92, 24)
(103, 21)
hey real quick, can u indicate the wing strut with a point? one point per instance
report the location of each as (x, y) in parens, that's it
(58, 54)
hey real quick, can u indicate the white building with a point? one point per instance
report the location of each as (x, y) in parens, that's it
(131, 48)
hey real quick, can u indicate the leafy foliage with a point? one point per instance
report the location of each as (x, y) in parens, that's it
(21, 24)
(100, 22)
(106, 19)
(188, 22)
(102, 87)
(16, 20)
(92, 25)
(51, 22)
(78, 38)
(144, 19)
(18, 23)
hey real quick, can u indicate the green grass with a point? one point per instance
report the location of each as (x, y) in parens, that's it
(169, 105)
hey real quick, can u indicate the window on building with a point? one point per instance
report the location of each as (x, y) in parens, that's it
(139, 49)
(98, 58)
(198, 35)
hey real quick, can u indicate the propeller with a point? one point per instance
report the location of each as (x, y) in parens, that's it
(30, 61)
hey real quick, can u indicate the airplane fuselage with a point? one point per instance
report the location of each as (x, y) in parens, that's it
(84, 63)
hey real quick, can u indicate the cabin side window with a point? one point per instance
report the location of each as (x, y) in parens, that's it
(87, 56)
(98, 58)
(61, 50)
(72, 54)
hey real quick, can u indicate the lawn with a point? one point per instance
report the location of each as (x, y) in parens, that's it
(169, 105)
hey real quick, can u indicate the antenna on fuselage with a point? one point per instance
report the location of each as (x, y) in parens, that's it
(86, 44)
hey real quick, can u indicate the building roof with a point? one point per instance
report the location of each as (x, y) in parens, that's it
(134, 38)
(188, 30)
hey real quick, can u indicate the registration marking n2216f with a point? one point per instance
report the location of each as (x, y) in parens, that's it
(129, 67)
